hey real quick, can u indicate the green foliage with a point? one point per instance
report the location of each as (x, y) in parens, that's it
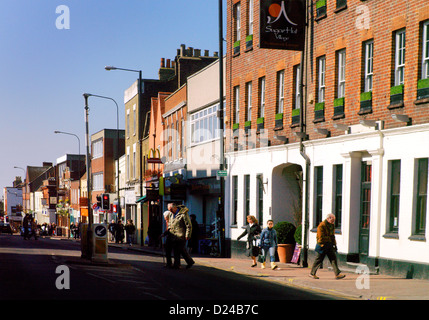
(298, 234)
(285, 232)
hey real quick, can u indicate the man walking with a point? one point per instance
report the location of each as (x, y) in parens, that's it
(326, 246)
(180, 227)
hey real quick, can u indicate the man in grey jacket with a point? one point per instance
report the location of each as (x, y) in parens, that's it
(180, 227)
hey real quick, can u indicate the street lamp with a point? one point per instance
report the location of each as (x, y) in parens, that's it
(117, 137)
(78, 140)
(139, 93)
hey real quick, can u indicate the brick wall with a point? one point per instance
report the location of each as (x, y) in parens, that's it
(346, 28)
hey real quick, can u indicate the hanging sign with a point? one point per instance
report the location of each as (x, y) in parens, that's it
(282, 24)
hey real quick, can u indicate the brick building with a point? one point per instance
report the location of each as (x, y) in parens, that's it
(352, 142)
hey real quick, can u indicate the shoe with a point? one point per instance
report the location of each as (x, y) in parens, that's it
(273, 266)
(263, 265)
(313, 276)
(340, 276)
(189, 265)
(253, 265)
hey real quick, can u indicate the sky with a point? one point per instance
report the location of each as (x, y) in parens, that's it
(49, 57)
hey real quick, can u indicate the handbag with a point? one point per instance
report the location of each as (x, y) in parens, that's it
(319, 249)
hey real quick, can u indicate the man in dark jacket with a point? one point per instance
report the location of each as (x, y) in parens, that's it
(326, 246)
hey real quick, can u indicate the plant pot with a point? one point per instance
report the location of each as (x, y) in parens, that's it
(285, 252)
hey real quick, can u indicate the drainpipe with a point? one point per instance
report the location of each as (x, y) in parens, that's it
(303, 115)
(380, 176)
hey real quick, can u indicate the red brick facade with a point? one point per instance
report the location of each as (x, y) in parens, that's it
(346, 26)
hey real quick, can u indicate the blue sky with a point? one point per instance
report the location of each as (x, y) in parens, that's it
(45, 70)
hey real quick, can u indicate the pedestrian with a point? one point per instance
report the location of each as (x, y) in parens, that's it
(168, 246)
(253, 231)
(26, 226)
(130, 229)
(269, 244)
(193, 242)
(180, 227)
(112, 229)
(34, 228)
(326, 246)
(119, 232)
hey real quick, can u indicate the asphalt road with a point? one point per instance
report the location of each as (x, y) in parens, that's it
(48, 269)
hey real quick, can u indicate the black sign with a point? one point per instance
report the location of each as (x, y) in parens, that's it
(100, 231)
(282, 24)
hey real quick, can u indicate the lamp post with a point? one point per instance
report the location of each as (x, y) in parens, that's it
(117, 142)
(78, 164)
(88, 245)
(139, 94)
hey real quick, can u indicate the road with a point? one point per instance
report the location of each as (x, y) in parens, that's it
(48, 269)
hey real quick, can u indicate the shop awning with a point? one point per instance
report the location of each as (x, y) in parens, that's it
(142, 199)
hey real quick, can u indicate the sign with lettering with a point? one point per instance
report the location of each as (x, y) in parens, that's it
(282, 24)
(296, 253)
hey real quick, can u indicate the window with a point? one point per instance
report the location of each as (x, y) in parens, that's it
(128, 122)
(237, 22)
(97, 181)
(134, 162)
(182, 143)
(341, 73)
(399, 57)
(128, 163)
(246, 196)
(297, 87)
(260, 198)
(421, 196)
(318, 184)
(135, 119)
(178, 140)
(250, 17)
(204, 125)
(321, 65)
(425, 51)
(338, 194)
(262, 97)
(369, 54)
(237, 104)
(248, 101)
(280, 90)
(97, 149)
(395, 180)
(235, 199)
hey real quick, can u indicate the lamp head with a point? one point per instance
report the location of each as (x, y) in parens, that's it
(108, 68)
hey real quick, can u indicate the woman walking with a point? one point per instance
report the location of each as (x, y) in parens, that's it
(269, 244)
(253, 231)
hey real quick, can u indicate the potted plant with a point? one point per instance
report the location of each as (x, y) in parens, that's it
(286, 241)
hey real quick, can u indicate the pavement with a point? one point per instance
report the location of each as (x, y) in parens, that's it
(355, 286)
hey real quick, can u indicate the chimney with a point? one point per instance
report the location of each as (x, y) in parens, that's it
(206, 53)
(197, 52)
(162, 63)
(182, 50)
(190, 51)
(168, 63)
(215, 54)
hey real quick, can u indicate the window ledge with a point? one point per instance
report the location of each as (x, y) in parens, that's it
(320, 17)
(278, 128)
(339, 9)
(417, 237)
(421, 101)
(339, 116)
(395, 106)
(391, 236)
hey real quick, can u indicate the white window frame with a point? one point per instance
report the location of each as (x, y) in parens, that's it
(297, 89)
(97, 148)
(237, 22)
(425, 50)
(98, 181)
(369, 65)
(262, 97)
(341, 85)
(321, 79)
(237, 104)
(201, 122)
(280, 89)
(134, 119)
(134, 162)
(399, 57)
(250, 18)
(249, 101)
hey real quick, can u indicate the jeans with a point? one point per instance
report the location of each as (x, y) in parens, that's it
(271, 251)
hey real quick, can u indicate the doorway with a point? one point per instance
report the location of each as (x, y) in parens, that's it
(365, 210)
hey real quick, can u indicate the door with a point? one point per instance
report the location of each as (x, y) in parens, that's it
(365, 209)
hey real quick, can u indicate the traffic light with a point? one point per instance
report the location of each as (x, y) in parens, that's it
(106, 201)
(99, 201)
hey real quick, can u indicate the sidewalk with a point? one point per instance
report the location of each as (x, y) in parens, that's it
(373, 287)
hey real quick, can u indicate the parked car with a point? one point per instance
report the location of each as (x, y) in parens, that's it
(5, 228)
